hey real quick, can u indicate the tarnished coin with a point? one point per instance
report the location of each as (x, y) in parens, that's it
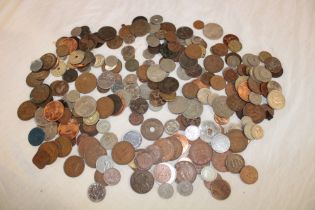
(155, 73)
(92, 120)
(96, 192)
(108, 140)
(185, 171)
(123, 152)
(203, 94)
(152, 129)
(238, 140)
(178, 106)
(112, 176)
(220, 143)
(192, 132)
(106, 80)
(185, 188)
(162, 173)
(200, 152)
(213, 63)
(103, 126)
(85, 106)
(218, 160)
(135, 118)
(74, 166)
(220, 189)
(249, 174)
(26, 110)
(141, 181)
(165, 190)
(133, 137)
(139, 106)
(234, 163)
(171, 127)
(86, 82)
(36, 65)
(220, 107)
(213, 31)
(276, 99)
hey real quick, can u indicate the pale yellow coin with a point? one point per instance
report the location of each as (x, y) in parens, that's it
(248, 130)
(276, 99)
(99, 60)
(59, 70)
(235, 45)
(257, 132)
(273, 85)
(245, 120)
(76, 57)
(263, 55)
(92, 120)
(203, 94)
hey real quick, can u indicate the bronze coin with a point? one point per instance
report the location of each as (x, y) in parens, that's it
(69, 129)
(139, 106)
(274, 66)
(59, 88)
(99, 178)
(269, 111)
(213, 63)
(53, 111)
(142, 73)
(166, 149)
(184, 32)
(256, 112)
(219, 49)
(220, 189)
(235, 103)
(230, 89)
(229, 37)
(193, 71)
(254, 85)
(200, 152)
(40, 93)
(185, 171)
(217, 82)
(168, 85)
(178, 147)
(85, 142)
(70, 75)
(51, 149)
(205, 78)
(141, 181)
(40, 159)
(86, 82)
(186, 62)
(118, 105)
(26, 110)
(135, 118)
(238, 141)
(249, 174)
(243, 90)
(230, 75)
(167, 26)
(73, 166)
(107, 33)
(198, 24)
(264, 89)
(49, 61)
(115, 43)
(152, 129)
(190, 90)
(123, 152)
(170, 36)
(193, 51)
(64, 146)
(67, 114)
(143, 160)
(92, 153)
(234, 163)
(105, 107)
(36, 78)
(218, 160)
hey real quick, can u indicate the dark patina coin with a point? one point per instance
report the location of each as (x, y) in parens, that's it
(141, 181)
(139, 106)
(70, 75)
(168, 85)
(184, 32)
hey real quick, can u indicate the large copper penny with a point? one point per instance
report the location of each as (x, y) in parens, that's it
(53, 111)
(141, 181)
(123, 153)
(73, 166)
(238, 141)
(64, 146)
(235, 103)
(152, 129)
(166, 149)
(218, 160)
(105, 107)
(69, 129)
(220, 189)
(213, 63)
(200, 152)
(92, 153)
(51, 149)
(234, 163)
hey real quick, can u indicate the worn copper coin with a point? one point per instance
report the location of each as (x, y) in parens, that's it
(123, 153)
(213, 63)
(73, 166)
(26, 110)
(152, 129)
(249, 174)
(200, 152)
(105, 107)
(139, 106)
(135, 118)
(141, 181)
(238, 141)
(218, 160)
(185, 171)
(220, 189)
(256, 112)
(86, 82)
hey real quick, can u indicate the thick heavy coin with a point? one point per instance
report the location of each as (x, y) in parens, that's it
(123, 153)
(96, 192)
(234, 163)
(152, 129)
(166, 190)
(73, 166)
(141, 181)
(220, 189)
(238, 140)
(249, 174)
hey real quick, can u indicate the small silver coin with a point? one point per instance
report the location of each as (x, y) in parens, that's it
(96, 192)
(171, 127)
(166, 190)
(106, 80)
(208, 130)
(108, 140)
(104, 162)
(192, 132)
(220, 143)
(185, 188)
(36, 65)
(133, 137)
(103, 126)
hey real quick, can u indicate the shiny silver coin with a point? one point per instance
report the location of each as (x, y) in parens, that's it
(208, 130)
(104, 162)
(220, 143)
(192, 132)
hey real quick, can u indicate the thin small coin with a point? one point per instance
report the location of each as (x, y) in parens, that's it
(171, 127)
(198, 24)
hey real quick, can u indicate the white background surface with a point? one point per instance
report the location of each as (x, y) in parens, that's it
(285, 157)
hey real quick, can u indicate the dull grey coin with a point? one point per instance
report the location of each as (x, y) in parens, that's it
(152, 40)
(103, 126)
(156, 19)
(166, 190)
(182, 74)
(132, 64)
(185, 188)
(145, 91)
(179, 105)
(194, 109)
(111, 60)
(106, 80)
(133, 137)
(40, 120)
(155, 73)
(96, 192)
(108, 140)
(85, 106)
(147, 55)
(104, 162)
(36, 65)
(212, 31)
(171, 127)
(220, 107)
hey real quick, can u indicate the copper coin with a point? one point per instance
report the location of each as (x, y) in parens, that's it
(213, 63)
(205, 78)
(249, 174)
(73, 166)
(51, 149)
(92, 153)
(217, 82)
(143, 160)
(64, 146)
(141, 181)
(139, 106)
(135, 118)
(235, 103)
(200, 152)
(168, 85)
(85, 142)
(229, 37)
(219, 49)
(256, 112)
(49, 61)
(230, 75)
(190, 90)
(193, 51)
(142, 73)
(67, 114)
(115, 43)
(254, 85)
(178, 147)
(162, 173)
(26, 110)
(53, 111)
(40, 159)
(36, 78)
(118, 103)
(86, 82)
(107, 33)
(123, 152)
(230, 89)
(105, 107)
(166, 149)
(220, 189)
(234, 163)
(155, 152)
(99, 178)
(193, 71)
(198, 24)
(69, 129)
(59, 88)
(152, 129)
(184, 32)
(40, 93)
(218, 160)
(238, 140)
(185, 171)
(243, 90)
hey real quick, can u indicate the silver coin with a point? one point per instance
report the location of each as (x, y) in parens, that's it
(133, 90)
(185, 188)
(145, 91)
(208, 129)
(209, 173)
(96, 192)
(166, 190)
(182, 74)
(103, 126)
(179, 105)
(72, 96)
(128, 52)
(85, 106)
(155, 73)
(212, 31)
(40, 120)
(104, 162)
(133, 137)
(108, 140)
(106, 80)
(152, 40)
(194, 109)
(156, 19)
(167, 65)
(147, 55)
(192, 132)
(220, 107)
(111, 61)
(36, 65)
(171, 127)
(50, 130)
(118, 85)
(220, 143)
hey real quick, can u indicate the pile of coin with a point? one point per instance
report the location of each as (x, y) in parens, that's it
(67, 119)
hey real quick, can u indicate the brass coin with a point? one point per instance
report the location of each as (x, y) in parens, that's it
(198, 24)
(234, 163)
(53, 111)
(217, 82)
(193, 51)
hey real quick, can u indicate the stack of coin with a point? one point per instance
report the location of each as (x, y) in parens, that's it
(65, 118)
